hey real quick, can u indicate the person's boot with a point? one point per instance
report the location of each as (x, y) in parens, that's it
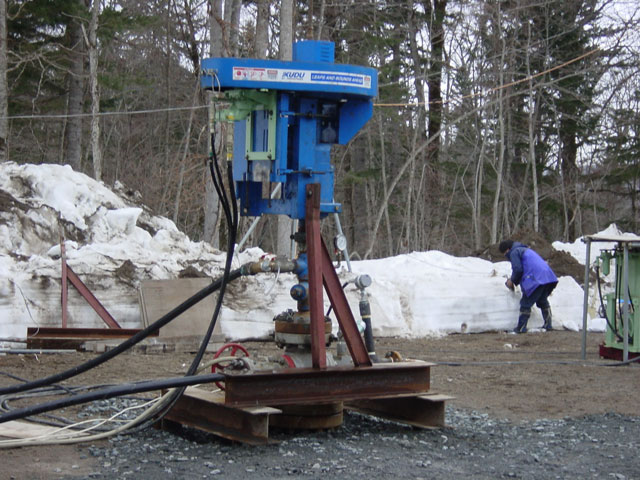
(522, 321)
(546, 316)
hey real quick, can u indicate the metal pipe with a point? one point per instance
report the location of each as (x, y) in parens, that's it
(627, 302)
(585, 304)
(254, 224)
(365, 314)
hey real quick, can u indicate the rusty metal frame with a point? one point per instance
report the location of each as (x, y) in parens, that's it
(68, 275)
(83, 333)
(313, 385)
(91, 299)
(65, 286)
(206, 411)
(321, 272)
(314, 259)
(75, 338)
(424, 411)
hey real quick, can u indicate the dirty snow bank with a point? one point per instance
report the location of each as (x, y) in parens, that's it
(113, 244)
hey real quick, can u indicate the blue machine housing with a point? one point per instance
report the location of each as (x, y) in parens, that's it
(317, 103)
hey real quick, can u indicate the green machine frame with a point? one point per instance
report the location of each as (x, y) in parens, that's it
(623, 304)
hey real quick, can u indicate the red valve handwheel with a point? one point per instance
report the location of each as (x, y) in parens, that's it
(233, 349)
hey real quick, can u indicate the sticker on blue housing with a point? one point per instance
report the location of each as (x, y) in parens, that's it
(253, 74)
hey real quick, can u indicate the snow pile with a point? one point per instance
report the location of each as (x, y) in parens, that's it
(113, 244)
(577, 249)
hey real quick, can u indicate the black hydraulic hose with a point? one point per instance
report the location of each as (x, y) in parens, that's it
(231, 216)
(365, 314)
(110, 392)
(613, 329)
(618, 295)
(130, 342)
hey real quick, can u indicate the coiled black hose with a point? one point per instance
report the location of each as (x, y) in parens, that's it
(612, 327)
(110, 392)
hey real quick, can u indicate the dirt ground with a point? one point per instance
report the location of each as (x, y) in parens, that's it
(512, 377)
(535, 375)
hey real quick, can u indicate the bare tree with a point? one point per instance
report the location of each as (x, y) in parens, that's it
(4, 89)
(75, 95)
(212, 203)
(92, 42)
(262, 29)
(285, 224)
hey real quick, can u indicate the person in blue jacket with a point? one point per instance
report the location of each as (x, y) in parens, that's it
(536, 280)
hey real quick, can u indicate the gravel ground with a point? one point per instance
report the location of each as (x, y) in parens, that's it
(474, 445)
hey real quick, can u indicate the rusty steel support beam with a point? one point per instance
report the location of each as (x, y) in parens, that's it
(314, 259)
(424, 411)
(75, 338)
(65, 287)
(312, 385)
(83, 333)
(205, 411)
(347, 322)
(322, 272)
(90, 298)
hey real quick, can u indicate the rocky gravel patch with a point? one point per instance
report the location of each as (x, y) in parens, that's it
(474, 445)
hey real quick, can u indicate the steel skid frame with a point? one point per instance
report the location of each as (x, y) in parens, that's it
(397, 391)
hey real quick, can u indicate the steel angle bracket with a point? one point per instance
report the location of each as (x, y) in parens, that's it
(311, 385)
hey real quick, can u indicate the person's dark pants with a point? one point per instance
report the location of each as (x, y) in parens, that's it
(539, 297)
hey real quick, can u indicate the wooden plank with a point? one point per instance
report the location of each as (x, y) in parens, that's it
(20, 429)
(157, 297)
(218, 397)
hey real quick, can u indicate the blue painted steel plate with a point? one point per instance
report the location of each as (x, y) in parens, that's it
(328, 78)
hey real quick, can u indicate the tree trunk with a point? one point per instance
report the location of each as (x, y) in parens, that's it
(212, 203)
(495, 212)
(262, 29)
(285, 224)
(234, 30)
(434, 77)
(185, 153)
(4, 88)
(75, 97)
(532, 144)
(95, 94)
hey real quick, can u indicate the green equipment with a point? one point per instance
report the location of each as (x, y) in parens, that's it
(621, 308)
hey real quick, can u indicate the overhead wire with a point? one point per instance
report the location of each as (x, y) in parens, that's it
(383, 105)
(491, 90)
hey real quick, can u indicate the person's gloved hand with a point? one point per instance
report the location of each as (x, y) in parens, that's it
(509, 284)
